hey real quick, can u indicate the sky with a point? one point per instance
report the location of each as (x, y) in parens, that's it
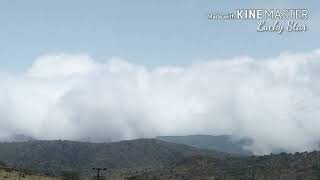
(114, 70)
(145, 32)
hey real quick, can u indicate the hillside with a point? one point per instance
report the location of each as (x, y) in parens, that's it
(145, 159)
(298, 166)
(55, 156)
(223, 143)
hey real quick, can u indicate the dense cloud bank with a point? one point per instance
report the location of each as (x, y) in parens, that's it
(275, 101)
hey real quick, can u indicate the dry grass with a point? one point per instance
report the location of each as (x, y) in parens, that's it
(14, 175)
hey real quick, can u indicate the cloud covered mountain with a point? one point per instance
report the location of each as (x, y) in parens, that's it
(274, 101)
(223, 143)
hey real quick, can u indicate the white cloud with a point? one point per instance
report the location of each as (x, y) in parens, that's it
(61, 65)
(274, 101)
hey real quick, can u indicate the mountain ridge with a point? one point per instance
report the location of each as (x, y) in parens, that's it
(223, 143)
(57, 155)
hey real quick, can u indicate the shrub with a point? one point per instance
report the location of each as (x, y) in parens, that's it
(70, 175)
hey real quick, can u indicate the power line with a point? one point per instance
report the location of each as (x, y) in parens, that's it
(98, 171)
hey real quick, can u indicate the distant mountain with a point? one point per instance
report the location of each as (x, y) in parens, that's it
(145, 159)
(18, 138)
(55, 156)
(224, 143)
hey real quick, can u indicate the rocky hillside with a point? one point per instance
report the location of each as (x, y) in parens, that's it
(298, 166)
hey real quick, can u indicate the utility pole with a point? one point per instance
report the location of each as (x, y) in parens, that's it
(20, 173)
(98, 171)
(252, 172)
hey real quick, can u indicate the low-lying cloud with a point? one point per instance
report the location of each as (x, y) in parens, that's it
(275, 101)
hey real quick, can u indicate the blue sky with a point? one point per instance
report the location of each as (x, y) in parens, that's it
(146, 31)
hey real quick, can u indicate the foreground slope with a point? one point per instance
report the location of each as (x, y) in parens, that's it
(4, 175)
(7, 173)
(298, 166)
